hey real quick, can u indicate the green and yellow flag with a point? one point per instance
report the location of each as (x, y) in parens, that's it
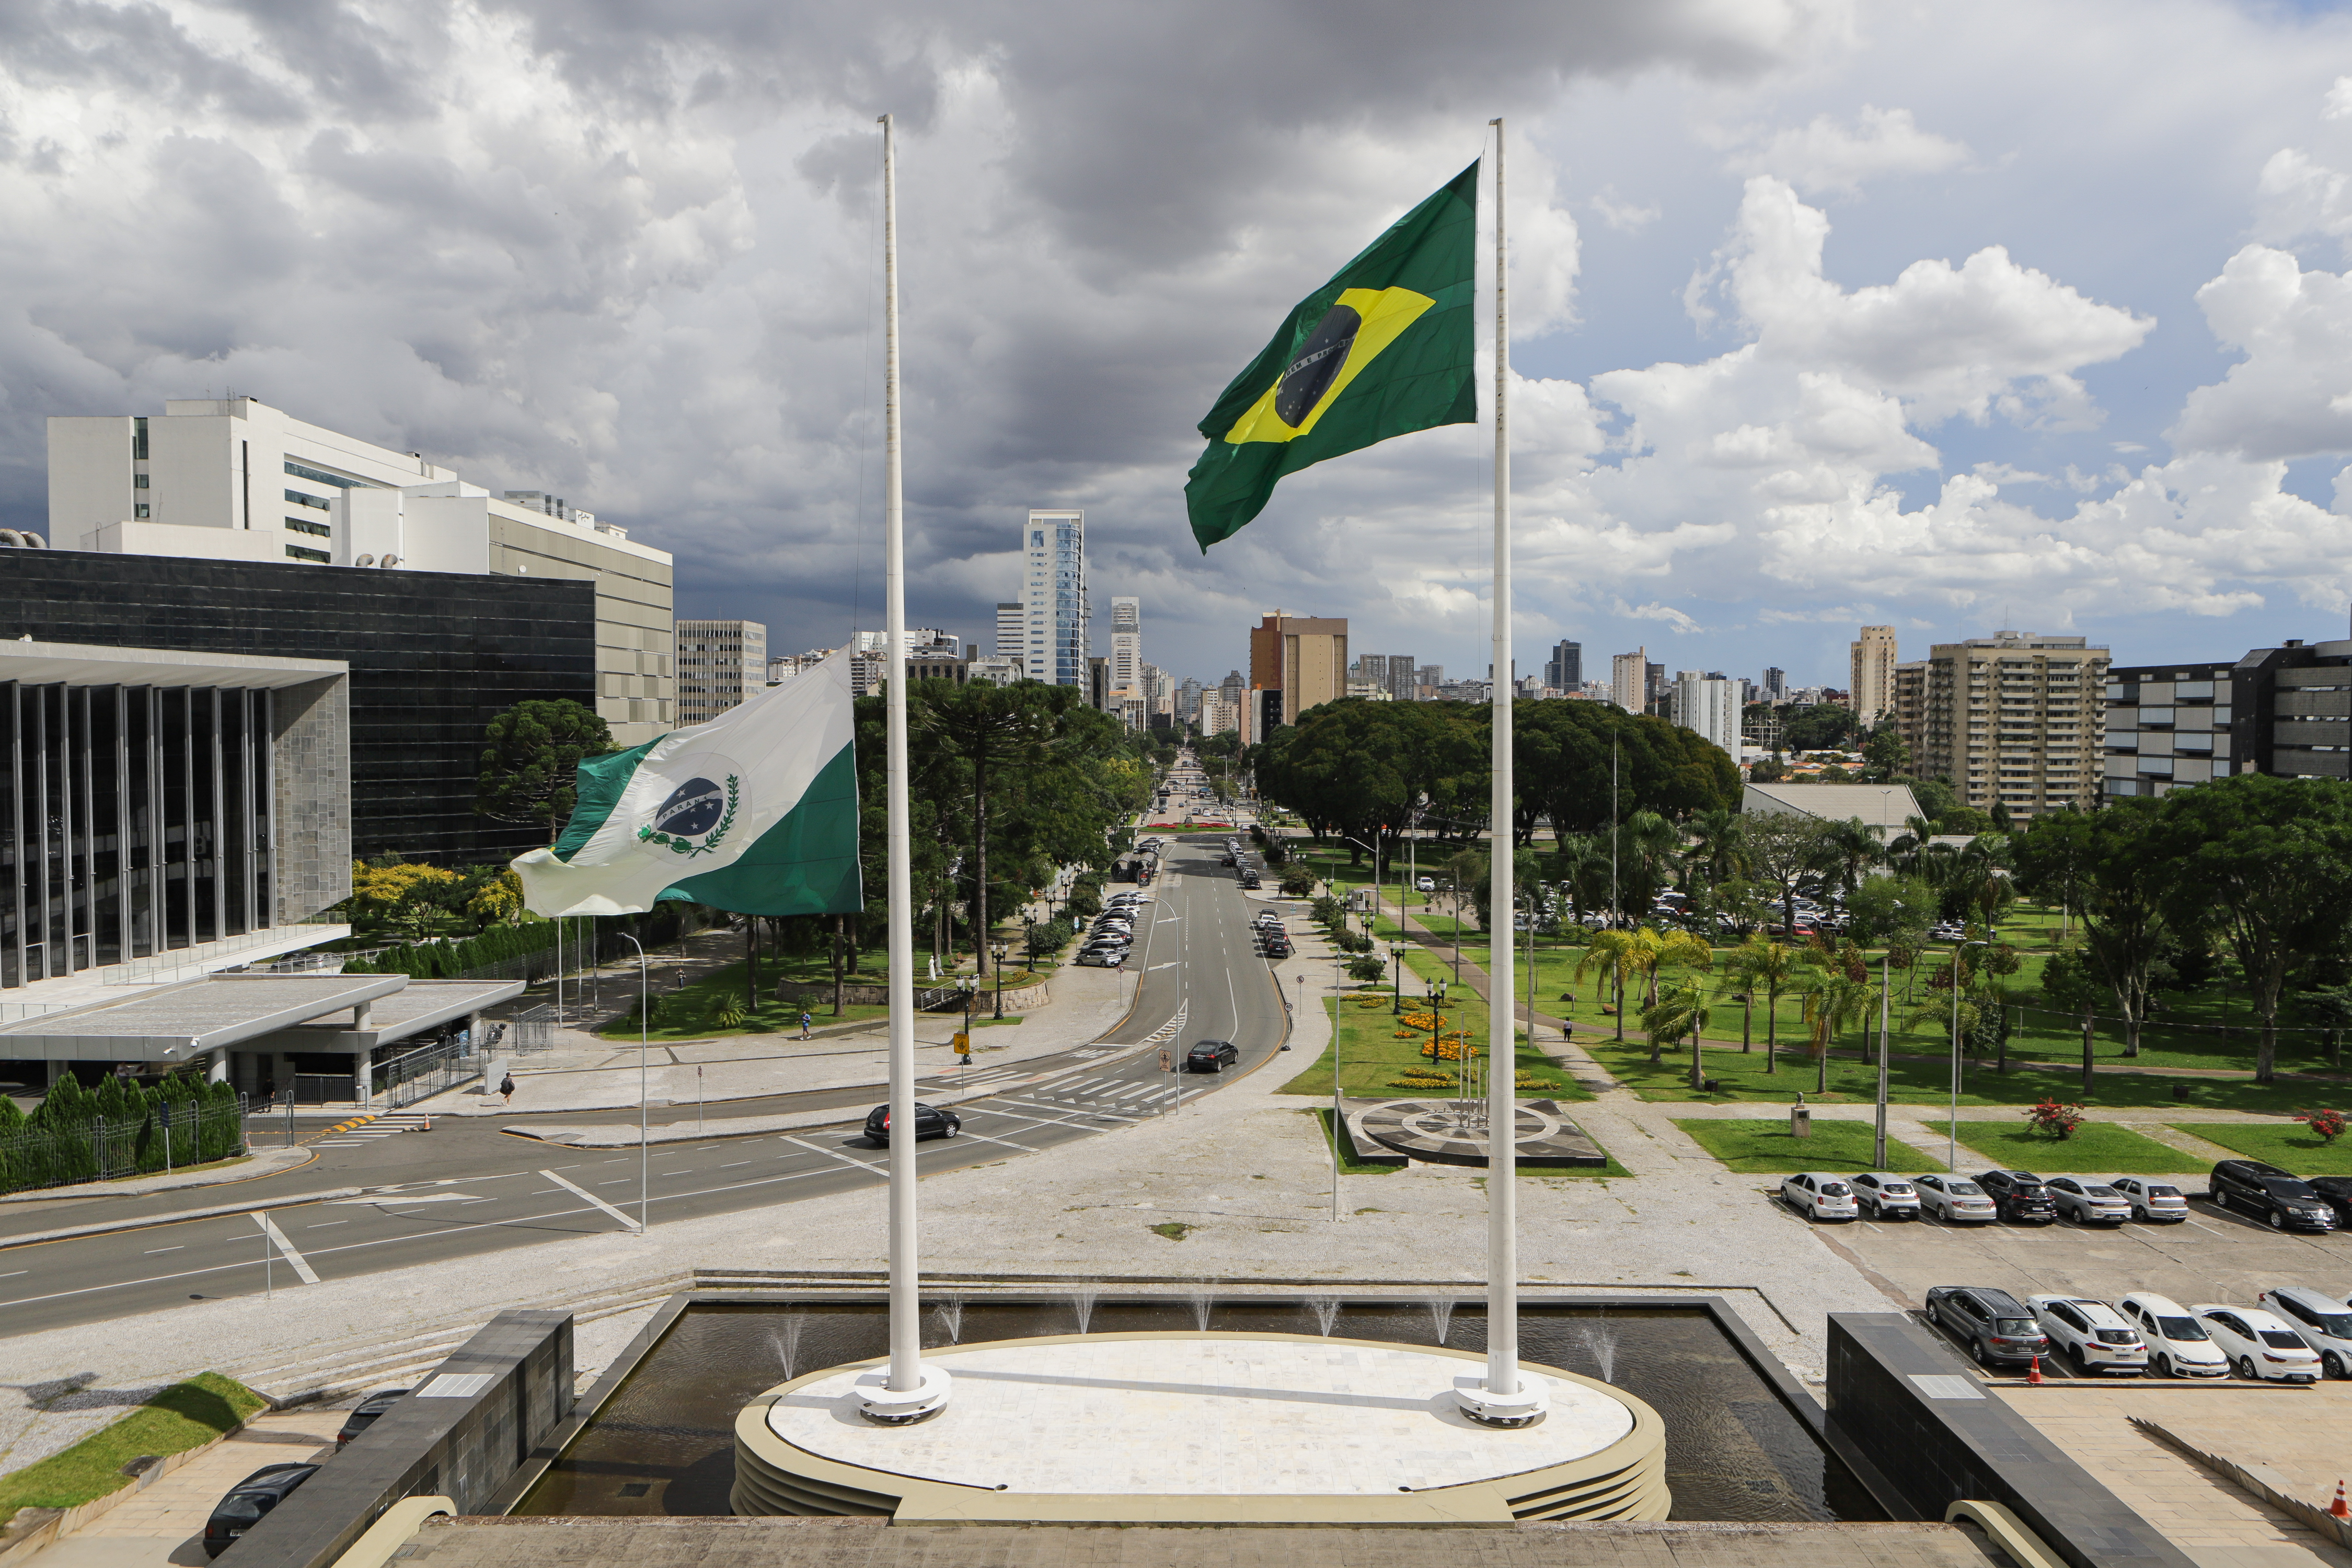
(1385, 348)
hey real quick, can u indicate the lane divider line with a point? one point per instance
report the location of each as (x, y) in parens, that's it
(302, 1270)
(578, 1190)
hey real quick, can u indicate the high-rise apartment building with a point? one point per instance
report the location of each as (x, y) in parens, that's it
(719, 663)
(1565, 670)
(1372, 666)
(1054, 597)
(2010, 720)
(1303, 660)
(1012, 632)
(1629, 679)
(1187, 707)
(1404, 677)
(233, 479)
(1126, 682)
(1775, 684)
(1708, 705)
(1872, 688)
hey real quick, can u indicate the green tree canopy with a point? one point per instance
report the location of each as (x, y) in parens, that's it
(530, 766)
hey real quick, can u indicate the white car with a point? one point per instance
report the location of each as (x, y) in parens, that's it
(2157, 1201)
(2320, 1319)
(1426, 885)
(2091, 1333)
(1820, 1195)
(1885, 1196)
(1956, 1199)
(2260, 1347)
(2177, 1344)
(2087, 1202)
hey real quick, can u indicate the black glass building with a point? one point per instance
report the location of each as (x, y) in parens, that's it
(433, 657)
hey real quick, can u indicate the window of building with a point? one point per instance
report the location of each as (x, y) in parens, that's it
(137, 481)
(298, 499)
(137, 440)
(300, 525)
(138, 509)
(320, 476)
(300, 554)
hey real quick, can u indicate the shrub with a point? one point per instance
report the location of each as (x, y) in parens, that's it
(2328, 1124)
(1368, 967)
(1327, 911)
(2057, 1120)
(729, 1012)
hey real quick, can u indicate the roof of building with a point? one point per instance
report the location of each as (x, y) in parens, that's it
(91, 664)
(176, 1022)
(1884, 808)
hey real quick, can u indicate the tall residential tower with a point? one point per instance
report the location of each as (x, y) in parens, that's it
(1054, 597)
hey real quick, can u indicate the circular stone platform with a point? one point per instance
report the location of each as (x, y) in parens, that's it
(1272, 1428)
(1431, 1129)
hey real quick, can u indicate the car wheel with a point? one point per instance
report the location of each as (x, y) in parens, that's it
(2082, 1361)
(1983, 1360)
(2164, 1366)
(2331, 1365)
(2278, 1219)
(954, 1128)
(2247, 1370)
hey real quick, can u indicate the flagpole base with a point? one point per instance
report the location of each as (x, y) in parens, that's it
(879, 1405)
(1522, 1408)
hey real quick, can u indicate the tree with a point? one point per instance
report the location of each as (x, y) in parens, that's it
(1834, 1001)
(1818, 728)
(1846, 847)
(531, 767)
(1718, 842)
(1891, 911)
(1784, 849)
(1648, 846)
(1678, 950)
(989, 729)
(1616, 953)
(1885, 756)
(1679, 1014)
(2097, 865)
(2266, 862)
(2068, 985)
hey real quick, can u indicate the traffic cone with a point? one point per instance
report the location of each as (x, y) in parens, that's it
(2033, 1373)
(2336, 1508)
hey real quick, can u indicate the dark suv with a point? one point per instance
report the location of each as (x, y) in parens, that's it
(248, 1501)
(2019, 1195)
(2282, 1199)
(360, 1419)
(1996, 1327)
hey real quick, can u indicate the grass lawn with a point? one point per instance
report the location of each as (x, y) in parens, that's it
(2296, 1148)
(176, 1418)
(1766, 1148)
(1373, 1059)
(2097, 1148)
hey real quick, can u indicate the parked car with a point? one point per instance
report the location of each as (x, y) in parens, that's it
(1885, 1196)
(2177, 1344)
(1101, 958)
(1956, 1199)
(1426, 885)
(2087, 1202)
(364, 1416)
(2260, 1347)
(1251, 879)
(2322, 1321)
(247, 1501)
(1212, 1055)
(1820, 1195)
(1997, 1327)
(2159, 1202)
(930, 1122)
(2019, 1195)
(2336, 1192)
(2095, 1336)
(2284, 1200)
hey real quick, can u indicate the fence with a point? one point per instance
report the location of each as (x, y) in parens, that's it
(419, 1075)
(533, 1030)
(186, 1132)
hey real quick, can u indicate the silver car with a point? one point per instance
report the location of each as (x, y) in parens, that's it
(2261, 1348)
(2087, 1202)
(1885, 1196)
(2152, 1199)
(1956, 1200)
(2094, 1336)
(2320, 1321)
(1820, 1195)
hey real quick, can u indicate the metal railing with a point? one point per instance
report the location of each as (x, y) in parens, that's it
(420, 1075)
(186, 1132)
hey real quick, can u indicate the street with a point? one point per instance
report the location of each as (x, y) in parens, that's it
(467, 1188)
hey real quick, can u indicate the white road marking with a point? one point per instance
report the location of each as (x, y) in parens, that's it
(325, 1222)
(1007, 1142)
(581, 1191)
(837, 1155)
(153, 1250)
(302, 1270)
(1032, 1105)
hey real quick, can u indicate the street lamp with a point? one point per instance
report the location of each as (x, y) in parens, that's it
(1396, 958)
(1000, 980)
(1029, 936)
(645, 1148)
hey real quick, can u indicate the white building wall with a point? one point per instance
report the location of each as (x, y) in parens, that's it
(1709, 708)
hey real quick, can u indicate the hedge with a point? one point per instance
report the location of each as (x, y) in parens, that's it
(60, 1143)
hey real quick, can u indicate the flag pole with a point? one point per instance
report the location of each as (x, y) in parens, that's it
(1506, 1398)
(908, 1390)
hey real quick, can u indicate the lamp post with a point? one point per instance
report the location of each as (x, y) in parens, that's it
(1396, 958)
(645, 1149)
(1029, 936)
(1000, 980)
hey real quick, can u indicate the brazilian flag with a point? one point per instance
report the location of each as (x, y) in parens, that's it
(1385, 348)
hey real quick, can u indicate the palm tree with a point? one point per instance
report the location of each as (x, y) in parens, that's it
(1763, 964)
(1834, 1001)
(1583, 862)
(1718, 841)
(1677, 949)
(1847, 848)
(1616, 953)
(1680, 1012)
(1649, 847)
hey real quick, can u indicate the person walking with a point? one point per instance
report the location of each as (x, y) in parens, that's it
(806, 1021)
(507, 1088)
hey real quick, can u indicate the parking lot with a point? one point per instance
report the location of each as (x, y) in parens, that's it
(2210, 1256)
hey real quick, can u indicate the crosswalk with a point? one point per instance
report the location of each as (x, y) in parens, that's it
(1115, 1094)
(363, 1130)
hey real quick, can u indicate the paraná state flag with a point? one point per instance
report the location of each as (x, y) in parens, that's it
(755, 812)
(1386, 347)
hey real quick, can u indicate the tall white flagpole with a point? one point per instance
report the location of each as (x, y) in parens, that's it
(1507, 1398)
(909, 1390)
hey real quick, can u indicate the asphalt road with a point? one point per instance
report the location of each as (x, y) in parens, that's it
(465, 1188)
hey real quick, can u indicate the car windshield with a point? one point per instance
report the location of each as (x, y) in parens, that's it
(2288, 1187)
(2115, 1336)
(1964, 1189)
(2181, 1329)
(1896, 1189)
(1835, 1189)
(2098, 1192)
(244, 1508)
(2279, 1338)
(2015, 1327)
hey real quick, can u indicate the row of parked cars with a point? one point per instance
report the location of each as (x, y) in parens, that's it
(2292, 1333)
(1113, 935)
(251, 1499)
(2279, 1198)
(1273, 939)
(1245, 866)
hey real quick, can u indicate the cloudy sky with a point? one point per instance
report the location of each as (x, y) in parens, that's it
(1948, 316)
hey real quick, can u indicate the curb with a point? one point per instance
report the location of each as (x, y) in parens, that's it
(143, 1222)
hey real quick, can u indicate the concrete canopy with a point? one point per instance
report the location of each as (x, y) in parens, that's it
(179, 1022)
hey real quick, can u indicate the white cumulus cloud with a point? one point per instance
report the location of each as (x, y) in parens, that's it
(1828, 156)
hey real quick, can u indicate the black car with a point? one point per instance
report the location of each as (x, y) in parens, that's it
(930, 1122)
(1997, 1327)
(2019, 1195)
(364, 1417)
(1212, 1055)
(2280, 1198)
(247, 1501)
(2336, 1192)
(1250, 880)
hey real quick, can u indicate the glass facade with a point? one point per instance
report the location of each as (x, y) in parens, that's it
(133, 820)
(433, 657)
(1054, 596)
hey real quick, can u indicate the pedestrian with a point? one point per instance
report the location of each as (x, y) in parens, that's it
(806, 1021)
(507, 1088)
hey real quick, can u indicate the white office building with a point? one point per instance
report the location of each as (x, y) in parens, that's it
(1710, 706)
(1128, 695)
(233, 479)
(719, 663)
(1054, 597)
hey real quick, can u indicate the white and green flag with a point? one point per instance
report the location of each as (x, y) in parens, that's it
(755, 812)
